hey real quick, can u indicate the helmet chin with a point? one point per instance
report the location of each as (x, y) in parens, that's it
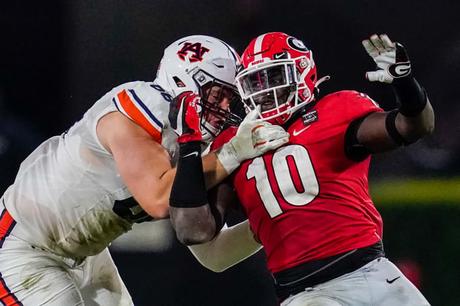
(280, 120)
(278, 116)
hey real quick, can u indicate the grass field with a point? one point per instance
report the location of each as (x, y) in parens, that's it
(416, 191)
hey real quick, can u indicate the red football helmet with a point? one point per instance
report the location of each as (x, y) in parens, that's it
(279, 75)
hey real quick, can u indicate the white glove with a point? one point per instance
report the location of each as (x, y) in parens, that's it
(390, 57)
(252, 139)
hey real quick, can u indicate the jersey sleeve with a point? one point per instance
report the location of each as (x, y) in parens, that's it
(356, 107)
(143, 105)
(344, 111)
(351, 105)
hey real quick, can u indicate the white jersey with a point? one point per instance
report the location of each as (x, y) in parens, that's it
(65, 192)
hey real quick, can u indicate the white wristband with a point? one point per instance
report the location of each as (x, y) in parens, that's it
(228, 157)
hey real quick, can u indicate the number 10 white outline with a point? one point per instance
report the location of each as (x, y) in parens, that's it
(291, 195)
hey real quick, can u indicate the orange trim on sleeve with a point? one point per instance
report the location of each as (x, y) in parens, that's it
(6, 222)
(137, 116)
(6, 297)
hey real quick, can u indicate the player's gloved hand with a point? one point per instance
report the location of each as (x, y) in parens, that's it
(391, 59)
(252, 139)
(184, 117)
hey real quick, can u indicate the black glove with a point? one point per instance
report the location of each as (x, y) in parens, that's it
(391, 59)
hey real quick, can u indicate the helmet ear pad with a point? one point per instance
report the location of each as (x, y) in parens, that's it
(308, 76)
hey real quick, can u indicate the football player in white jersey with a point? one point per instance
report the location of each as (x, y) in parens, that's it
(79, 191)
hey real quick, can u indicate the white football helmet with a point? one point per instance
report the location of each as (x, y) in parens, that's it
(197, 63)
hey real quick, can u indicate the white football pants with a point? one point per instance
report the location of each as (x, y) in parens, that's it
(378, 283)
(31, 277)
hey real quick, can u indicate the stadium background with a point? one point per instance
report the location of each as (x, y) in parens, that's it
(58, 57)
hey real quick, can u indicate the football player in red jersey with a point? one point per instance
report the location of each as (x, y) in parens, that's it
(308, 202)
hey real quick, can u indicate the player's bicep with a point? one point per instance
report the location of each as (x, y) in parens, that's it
(140, 160)
(373, 135)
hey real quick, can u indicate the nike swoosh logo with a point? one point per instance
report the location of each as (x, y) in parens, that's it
(191, 154)
(296, 133)
(279, 55)
(390, 281)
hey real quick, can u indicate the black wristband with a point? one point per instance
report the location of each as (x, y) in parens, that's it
(189, 188)
(390, 124)
(410, 95)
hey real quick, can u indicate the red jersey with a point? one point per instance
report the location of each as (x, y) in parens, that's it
(306, 200)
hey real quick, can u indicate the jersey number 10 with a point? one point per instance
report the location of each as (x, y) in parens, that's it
(283, 171)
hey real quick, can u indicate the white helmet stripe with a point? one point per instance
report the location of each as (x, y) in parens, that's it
(258, 47)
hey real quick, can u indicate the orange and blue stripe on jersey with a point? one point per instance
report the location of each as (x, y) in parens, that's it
(129, 103)
(7, 223)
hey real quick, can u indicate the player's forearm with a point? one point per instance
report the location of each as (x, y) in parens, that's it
(414, 128)
(156, 201)
(192, 217)
(193, 225)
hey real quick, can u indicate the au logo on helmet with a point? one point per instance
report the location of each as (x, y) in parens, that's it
(195, 49)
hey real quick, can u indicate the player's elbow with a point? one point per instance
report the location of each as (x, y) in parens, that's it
(429, 127)
(420, 131)
(194, 236)
(426, 126)
(413, 129)
(193, 225)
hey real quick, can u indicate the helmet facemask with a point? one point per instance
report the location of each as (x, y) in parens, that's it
(218, 99)
(275, 86)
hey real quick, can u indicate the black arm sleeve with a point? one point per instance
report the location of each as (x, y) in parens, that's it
(189, 188)
(411, 97)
